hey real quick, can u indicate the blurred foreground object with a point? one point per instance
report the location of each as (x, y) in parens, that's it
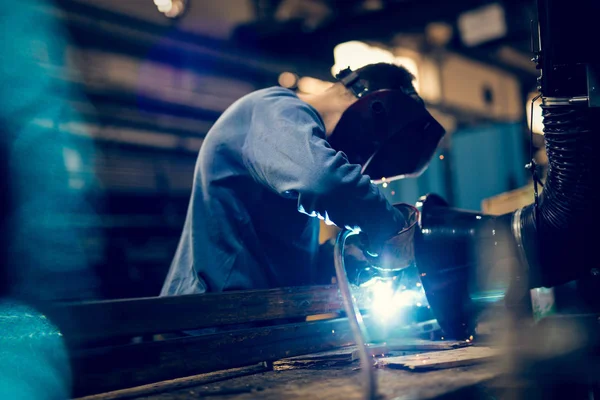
(45, 256)
(35, 364)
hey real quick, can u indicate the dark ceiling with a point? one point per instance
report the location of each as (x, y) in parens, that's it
(300, 30)
(355, 20)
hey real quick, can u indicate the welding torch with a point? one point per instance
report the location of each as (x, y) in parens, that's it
(395, 255)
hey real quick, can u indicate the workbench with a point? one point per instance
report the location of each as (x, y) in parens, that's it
(340, 382)
(120, 350)
(336, 374)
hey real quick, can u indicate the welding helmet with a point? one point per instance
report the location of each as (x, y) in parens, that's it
(389, 132)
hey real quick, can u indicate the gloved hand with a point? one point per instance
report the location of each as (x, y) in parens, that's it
(355, 261)
(398, 251)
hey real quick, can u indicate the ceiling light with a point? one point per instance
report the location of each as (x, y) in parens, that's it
(171, 8)
(357, 54)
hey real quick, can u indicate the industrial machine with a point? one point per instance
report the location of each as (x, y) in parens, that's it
(469, 261)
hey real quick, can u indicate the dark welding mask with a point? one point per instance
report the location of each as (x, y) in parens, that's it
(388, 132)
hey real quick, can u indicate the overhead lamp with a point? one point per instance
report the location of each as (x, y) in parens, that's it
(356, 54)
(171, 8)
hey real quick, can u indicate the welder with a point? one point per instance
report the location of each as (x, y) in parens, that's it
(277, 161)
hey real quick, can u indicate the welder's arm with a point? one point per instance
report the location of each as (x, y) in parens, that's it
(292, 157)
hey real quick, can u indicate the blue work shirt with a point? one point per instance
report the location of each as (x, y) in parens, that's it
(264, 172)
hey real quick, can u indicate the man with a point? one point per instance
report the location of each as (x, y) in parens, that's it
(264, 171)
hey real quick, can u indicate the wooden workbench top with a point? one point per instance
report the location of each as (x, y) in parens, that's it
(332, 383)
(336, 375)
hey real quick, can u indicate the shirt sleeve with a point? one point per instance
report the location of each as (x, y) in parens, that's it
(286, 151)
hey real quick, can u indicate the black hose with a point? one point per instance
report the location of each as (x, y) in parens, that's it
(568, 135)
(559, 235)
(357, 325)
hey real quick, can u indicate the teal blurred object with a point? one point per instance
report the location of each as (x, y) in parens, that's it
(45, 260)
(34, 363)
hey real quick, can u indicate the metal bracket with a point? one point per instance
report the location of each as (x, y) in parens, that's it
(564, 101)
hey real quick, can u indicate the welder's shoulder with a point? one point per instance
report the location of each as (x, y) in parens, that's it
(282, 103)
(274, 93)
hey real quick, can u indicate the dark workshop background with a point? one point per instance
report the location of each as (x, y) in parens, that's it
(144, 86)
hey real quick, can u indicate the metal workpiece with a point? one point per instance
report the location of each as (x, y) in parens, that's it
(468, 262)
(516, 231)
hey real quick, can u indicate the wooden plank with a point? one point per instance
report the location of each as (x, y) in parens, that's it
(88, 322)
(112, 368)
(419, 345)
(349, 354)
(442, 359)
(344, 383)
(338, 357)
(178, 384)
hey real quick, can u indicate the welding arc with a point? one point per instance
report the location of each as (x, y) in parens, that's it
(357, 325)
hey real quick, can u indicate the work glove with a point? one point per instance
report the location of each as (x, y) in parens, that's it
(397, 252)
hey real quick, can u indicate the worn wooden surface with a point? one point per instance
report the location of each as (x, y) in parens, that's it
(96, 321)
(178, 384)
(503, 378)
(339, 383)
(105, 369)
(350, 354)
(442, 359)
(325, 375)
(497, 378)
